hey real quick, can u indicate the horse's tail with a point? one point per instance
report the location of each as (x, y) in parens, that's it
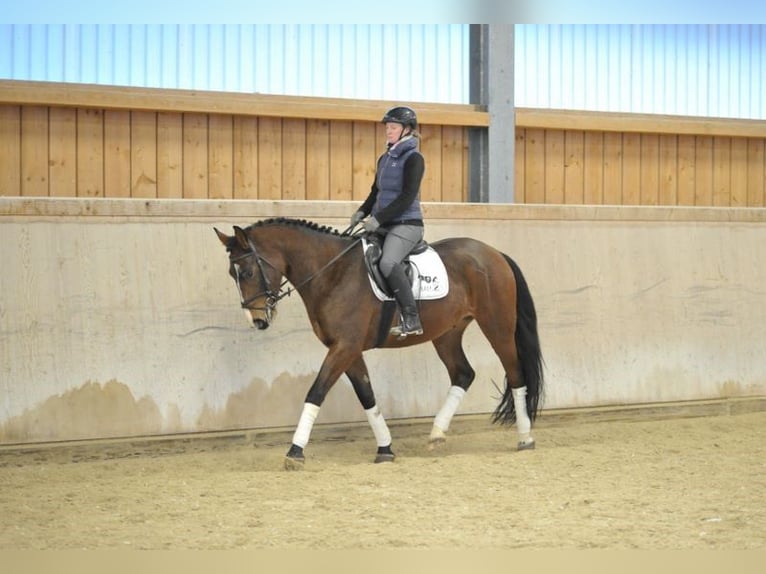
(528, 351)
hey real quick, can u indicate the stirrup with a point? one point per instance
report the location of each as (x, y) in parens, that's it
(401, 332)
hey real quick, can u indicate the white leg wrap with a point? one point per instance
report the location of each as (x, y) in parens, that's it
(305, 424)
(379, 426)
(523, 424)
(449, 408)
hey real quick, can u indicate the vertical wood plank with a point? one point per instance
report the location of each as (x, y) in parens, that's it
(431, 142)
(721, 171)
(519, 167)
(117, 153)
(220, 156)
(668, 170)
(341, 161)
(593, 168)
(245, 158)
(195, 150)
(687, 170)
(738, 168)
(756, 173)
(613, 164)
(574, 171)
(143, 154)
(631, 169)
(649, 188)
(90, 153)
(452, 164)
(317, 160)
(63, 153)
(10, 150)
(294, 162)
(703, 193)
(554, 166)
(534, 166)
(34, 151)
(364, 159)
(170, 142)
(270, 158)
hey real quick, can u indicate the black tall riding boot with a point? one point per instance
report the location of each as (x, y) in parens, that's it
(402, 291)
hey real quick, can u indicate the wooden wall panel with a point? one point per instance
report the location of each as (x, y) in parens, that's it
(170, 157)
(613, 152)
(63, 155)
(317, 160)
(703, 191)
(220, 156)
(687, 169)
(534, 181)
(560, 158)
(363, 161)
(245, 158)
(574, 168)
(554, 166)
(453, 151)
(195, 152)
(756, 173)
(520, 167)
(649, 166)
(10, 150)
(668, 170)
(34, 151)
(90, 152)
(269, 158)
(721, 171)
(593, 168)
(631, 172)
(431, 145)
(294, 158)
(738, 180)
(341, 142)
(117, 151)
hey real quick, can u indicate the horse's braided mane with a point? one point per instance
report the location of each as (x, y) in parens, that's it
(298, 223)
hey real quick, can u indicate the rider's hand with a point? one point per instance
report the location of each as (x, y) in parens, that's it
(356, 218)
(371, 225)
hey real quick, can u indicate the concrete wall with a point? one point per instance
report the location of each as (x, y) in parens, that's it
(118, 318)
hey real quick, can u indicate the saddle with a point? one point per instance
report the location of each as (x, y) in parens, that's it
(424, 269)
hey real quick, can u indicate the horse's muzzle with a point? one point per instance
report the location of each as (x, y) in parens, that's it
(260, 324)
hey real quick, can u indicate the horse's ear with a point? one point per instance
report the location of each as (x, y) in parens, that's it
(223, 237)
(241, 236)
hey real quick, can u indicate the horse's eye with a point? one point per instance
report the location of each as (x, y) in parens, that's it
(245, 273)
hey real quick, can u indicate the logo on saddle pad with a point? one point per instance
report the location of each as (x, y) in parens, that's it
(425, 270)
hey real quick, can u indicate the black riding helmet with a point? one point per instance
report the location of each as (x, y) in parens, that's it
(402, 115)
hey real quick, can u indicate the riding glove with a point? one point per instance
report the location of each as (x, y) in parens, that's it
(371, 225)
(356, 218)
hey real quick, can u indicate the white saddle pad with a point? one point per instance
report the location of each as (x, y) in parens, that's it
(430, 276)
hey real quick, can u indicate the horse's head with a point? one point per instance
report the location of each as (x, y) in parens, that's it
(257, 280)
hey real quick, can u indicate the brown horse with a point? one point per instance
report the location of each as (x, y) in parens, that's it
(327, 269)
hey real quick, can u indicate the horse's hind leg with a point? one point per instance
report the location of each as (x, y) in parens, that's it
(513, 405)
(449, 347)
(360, 380)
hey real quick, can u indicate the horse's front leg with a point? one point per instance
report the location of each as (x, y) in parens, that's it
(360, 379)
(335, 363)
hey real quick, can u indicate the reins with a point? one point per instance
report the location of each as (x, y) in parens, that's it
(272, 297)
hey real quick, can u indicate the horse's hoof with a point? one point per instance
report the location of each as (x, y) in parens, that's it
(294, 463)
(294, 460)
(436, 442)
(526, 445)
(384, 454)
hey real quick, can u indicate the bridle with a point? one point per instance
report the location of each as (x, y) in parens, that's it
(275, 296)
